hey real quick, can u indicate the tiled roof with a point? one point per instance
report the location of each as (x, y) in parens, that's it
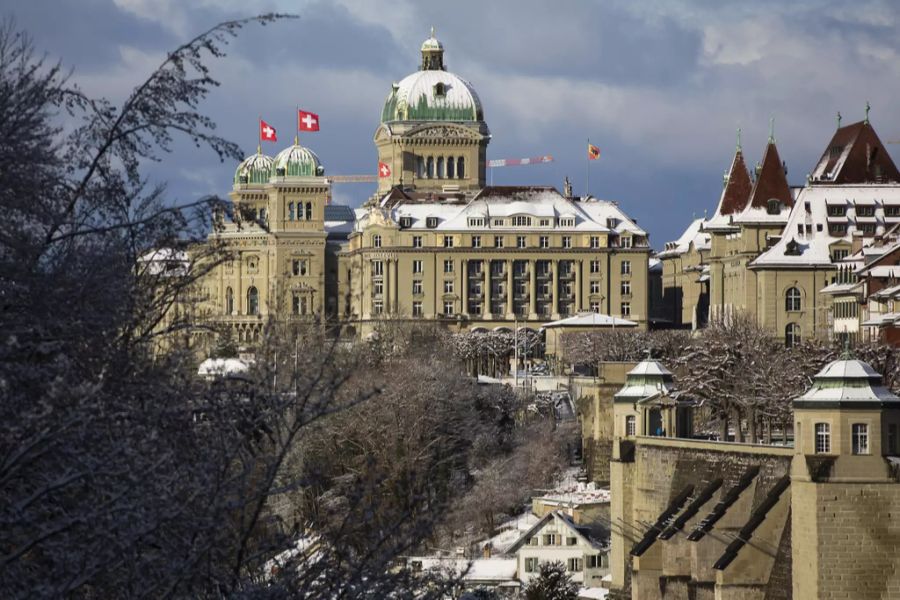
(855, 154)
(771, 182)
(737, 187)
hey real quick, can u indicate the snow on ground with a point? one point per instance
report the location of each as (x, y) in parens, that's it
(594, 593)
(511, 531)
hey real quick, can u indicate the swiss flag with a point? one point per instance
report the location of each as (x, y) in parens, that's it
(267, 132)
(384, 170)
(307, 121)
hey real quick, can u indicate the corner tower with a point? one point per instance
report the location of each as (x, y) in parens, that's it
(432, 133)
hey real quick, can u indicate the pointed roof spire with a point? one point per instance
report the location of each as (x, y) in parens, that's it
(868, 108)
(855, 154)
(771, 181)
(738, 139)
(839, 119)
(772, 129)
(737, 187)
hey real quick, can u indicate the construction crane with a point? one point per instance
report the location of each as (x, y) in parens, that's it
(492, 164)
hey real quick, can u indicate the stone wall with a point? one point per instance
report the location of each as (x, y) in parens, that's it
(679, 568)
(594, 401)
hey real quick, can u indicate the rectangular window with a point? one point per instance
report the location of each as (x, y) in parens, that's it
(531, 564)
(417, 309)
(476, 241)
(630, 425)
(498, 241)
(417, 288)
(521, 221)
(497, 222)
(595, 241)
(521, 288)
(520, 241)
(626, 267)
(476, 221)
(533, 541)
(448, 265)
(417, 266)
(300, 266)
(377, 268)
(448, 287)
(625, 242)
(595, 287)
(545, 222)
(551, 539)
(626, 309)
(417, 241)
(378, 307)
(626, 288)
(595, 307)
(595, 266)
(545, 241)
(892, 438)
(567, 241)
(860, 438)
(300, 305)
(823, 438)
(448, 308)
(576, 565)
(593, 562)
(448, 241)
(571, 541)
(377, 288)
(496, 267)
(520, 267)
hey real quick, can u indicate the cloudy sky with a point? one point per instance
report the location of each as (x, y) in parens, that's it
(659, 85)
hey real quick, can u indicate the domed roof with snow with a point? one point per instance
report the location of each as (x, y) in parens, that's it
(647, 379)
(847, 382)
(297, 161)
(256, 168)
(432, 93)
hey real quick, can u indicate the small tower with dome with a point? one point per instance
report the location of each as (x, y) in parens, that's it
(845, 495)
(432, 134)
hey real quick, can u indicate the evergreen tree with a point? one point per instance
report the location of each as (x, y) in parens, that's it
(553, 583)
(225, 346)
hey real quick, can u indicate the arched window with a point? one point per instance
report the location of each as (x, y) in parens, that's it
(229, 301)
(376, 241)
(792, 300)
(440, 167)
(252, 301)
(461, 167)
(451, 164)
(291, 211)
(420, 167)
(299, 211)
(309, 211)
(792, 335)
(429, 171)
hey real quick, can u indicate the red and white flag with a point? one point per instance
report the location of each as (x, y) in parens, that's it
(266, 132)
(384, 170)
(307, 121)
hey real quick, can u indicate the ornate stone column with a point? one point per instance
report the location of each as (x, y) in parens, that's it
(464, 309)
(486, 289)
(510, 309)
(532, 290)
(554, 292)
(578, 264)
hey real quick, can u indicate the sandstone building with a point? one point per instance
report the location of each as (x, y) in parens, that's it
(433, 242)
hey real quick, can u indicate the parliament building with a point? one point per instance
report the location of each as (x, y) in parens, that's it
(433, 242)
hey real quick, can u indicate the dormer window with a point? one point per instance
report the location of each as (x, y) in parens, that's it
(865, 211)
(567, 222)
(837, 210)
(431, 222)
(440, 90)
(612, 222)
(476, 221)
(792, 248)
(497, 223)
(773, 206)
(521, 221)
(405, 222)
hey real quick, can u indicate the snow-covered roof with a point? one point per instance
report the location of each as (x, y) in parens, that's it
(565, 520)
(591, 319)
(165, 261)
(654, 265)
(477, 570)
(807, 238)
(492, 203)
(222, 367)
(576, 494)
(593, 593)
(693, 235)
(432, 94)
(842, 288)
(881, 319)
(649, 378)
(847, 381)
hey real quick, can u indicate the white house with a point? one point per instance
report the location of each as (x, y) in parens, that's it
(584, 550)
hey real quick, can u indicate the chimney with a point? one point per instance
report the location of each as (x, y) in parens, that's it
(856, 242)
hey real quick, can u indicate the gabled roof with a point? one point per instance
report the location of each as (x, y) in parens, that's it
(771, 182)
(587, 534)
(855, 154)
(693, 235)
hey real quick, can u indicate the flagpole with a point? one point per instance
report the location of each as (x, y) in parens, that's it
(587, 170)
(297, 129)
(259, 134)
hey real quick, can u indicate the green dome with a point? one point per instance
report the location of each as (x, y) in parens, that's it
(297, 161)
(432, 95)
(257, 168)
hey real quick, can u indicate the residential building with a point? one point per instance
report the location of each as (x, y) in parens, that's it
(685, 278)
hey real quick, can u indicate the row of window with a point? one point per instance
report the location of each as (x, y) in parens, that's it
(573, 565)
(300, 214)
(519, 308)
(859, 438)
(846, 310)
(868, 210)
(520, 268)
(300, 305)
(440, 167)
(448, 241)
